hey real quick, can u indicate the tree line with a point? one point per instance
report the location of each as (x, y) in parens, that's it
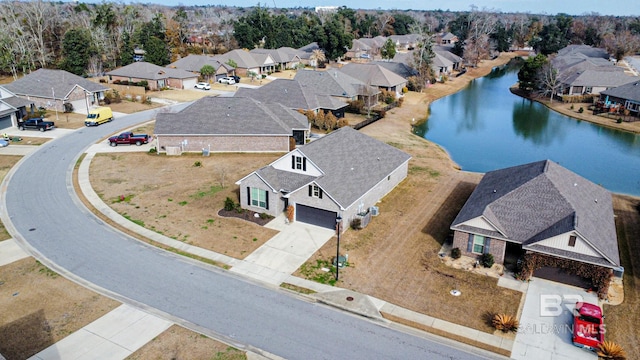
(89, 39)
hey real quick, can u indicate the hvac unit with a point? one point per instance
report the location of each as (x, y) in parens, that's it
(374, 210)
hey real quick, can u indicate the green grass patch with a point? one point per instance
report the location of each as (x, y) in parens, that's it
(182, 203)
(315, 273)
(123, 198)
(46, 271)
(137, 222)
(212, 191)
(296, 288)
(210, 221)
(423, 170)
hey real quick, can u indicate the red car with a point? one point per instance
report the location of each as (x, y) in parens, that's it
(588, 328)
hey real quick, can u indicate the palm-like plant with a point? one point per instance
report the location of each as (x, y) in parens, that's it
(317, 56)
(609, 350)
(505, 323)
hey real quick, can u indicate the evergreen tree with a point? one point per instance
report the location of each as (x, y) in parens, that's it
(156, 52)
(528, 74)
(76, 51)
(126, 53)
(388, 50)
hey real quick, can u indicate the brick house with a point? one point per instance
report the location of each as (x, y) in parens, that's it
(231, 124)
(157, 77)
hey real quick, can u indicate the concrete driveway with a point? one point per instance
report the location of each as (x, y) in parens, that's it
(546, 323)
(284, 253)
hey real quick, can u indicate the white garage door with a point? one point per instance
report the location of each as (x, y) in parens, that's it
(189, 83)
(80, 106)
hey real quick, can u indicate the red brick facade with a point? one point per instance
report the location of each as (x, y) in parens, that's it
(496, 247)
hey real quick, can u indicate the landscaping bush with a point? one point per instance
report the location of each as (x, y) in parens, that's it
(265, 216)
(505, 323)
(487, 260)
(610, 351)
(229, 204)
(619, 121)
(197, 164)
(355, 106)
(68, 107)
(581, 110)
(153, 150)
(356, 224)
(456, 253)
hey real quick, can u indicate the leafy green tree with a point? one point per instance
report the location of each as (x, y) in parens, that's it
(232, 63)
(156, 52)
(553, 36)
(402, 24)
(332, 38)
(528, 74)
(207, 70)
(76, 51)
(251, 29)
(388, 50)
(501, 38)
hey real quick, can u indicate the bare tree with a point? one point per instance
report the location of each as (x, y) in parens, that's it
(549, 80)
(481, 25)
(37, 18)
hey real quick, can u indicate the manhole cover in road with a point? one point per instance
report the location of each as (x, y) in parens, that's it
(455, 292)
(349, 298)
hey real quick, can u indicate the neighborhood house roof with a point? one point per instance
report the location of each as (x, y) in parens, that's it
(292, 94)
(280, 55)
(399, 68)
(244, 59)
(373, 74)
(333, 82)
(194, 63)
(230, 116)
(629, 91)
(599, 77)
(536, 201)
(352, 163)
(45, 83)
(145, 70)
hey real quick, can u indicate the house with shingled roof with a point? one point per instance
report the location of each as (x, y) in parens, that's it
(285, 57)
(157, 77)
(230, 124)
(343, 173)
(376, 75)
(339, 85)
(294, 95)
(194, 63)
(246, 62)
(12, 108)
(53, 89)
(627, 96)
(540, 208)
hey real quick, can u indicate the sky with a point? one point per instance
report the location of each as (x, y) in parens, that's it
(551, 7)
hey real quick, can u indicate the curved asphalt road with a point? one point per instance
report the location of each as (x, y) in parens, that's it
(45, 213)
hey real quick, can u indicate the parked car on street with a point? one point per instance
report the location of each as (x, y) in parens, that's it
(129, 138)
(227, 80)
(203, 86)
(236, 78)
(99, 116)
(4, 143)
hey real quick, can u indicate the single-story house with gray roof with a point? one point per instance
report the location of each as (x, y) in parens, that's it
(343, 173)
(339, 85)
(156, 76)
(52, 89)
(247, 62)
(540, 208)
(12, 108)
(230, 124)
(593, 81)
(294, 95)
(627, 96)
(285, 58)
(194, 63)
(376, 75)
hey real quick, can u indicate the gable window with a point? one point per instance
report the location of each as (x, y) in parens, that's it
(315, 191)
(572, 241)
(258, 197)
(298, 163)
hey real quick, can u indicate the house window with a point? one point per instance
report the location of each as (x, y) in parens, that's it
(299, 163)
(588, 90)
(315, 191)
(259, 198)
(572, 241)
(478, 244)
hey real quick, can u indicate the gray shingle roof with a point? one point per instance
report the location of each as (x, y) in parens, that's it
(586, 50)
(629, 91)
(352, 163)
(145, 70)
(399, 68)
(373, 74)
(533, 202)
(244, 59)
(280, 55)
(41, 82)
(333, 82)
(230, 116)
(194, 63)
(284, 180)
(604, 77)
(17, 102)
(292, 94)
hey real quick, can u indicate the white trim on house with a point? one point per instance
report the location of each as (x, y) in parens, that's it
(284, 164)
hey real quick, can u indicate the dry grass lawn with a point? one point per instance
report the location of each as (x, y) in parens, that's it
(45, 308)
(172, 196)
(180, 343)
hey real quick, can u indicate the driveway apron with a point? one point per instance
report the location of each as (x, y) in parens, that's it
(283, 254)
(543, 336)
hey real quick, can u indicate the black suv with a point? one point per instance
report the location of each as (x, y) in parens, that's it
(236, 78)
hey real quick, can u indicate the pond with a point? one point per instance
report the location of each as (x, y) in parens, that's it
(485, 127)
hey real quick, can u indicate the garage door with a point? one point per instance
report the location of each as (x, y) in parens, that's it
(315, 216)
(5, 121)
(561, 276)
(189, 83)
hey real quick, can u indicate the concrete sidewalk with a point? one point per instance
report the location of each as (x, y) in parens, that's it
(115, 336)
(10, 251)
